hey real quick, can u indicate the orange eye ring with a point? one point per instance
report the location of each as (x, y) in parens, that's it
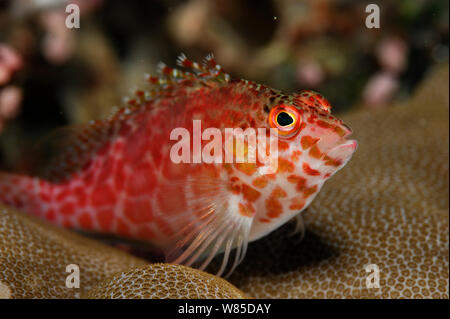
(286, 120)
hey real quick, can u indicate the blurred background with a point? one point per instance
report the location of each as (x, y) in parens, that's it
(51, 75)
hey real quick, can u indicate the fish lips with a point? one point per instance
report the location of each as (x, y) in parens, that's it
(344, 150)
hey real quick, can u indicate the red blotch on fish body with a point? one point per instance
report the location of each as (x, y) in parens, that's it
(80, 196)
(274, 207)
(315, 152)
(324, 124)
(61, 196)
(85, 221)
(67, 208)
(119, 175)
(260, 181)
(246, 209)
(297, 203)
(299, 180)
(102, 195)
(285, 165)
(310, 171)
(282, 145)
(332, 162)
(339, 131)
(296, 155)
(43, 195)
(118, 146)
(250, 193)
(309, 191)
(138, 211)
(308, 141)
(247, 168)
(235, 186)
(312, 118)
(278, 192)
(50, 215)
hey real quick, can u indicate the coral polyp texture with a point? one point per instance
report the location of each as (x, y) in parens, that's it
(159, 281)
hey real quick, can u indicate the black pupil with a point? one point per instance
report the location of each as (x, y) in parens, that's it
(284, 119)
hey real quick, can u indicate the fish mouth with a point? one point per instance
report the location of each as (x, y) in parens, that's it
(345, 138)
(344, 148)
(345, 141)
(350, 143)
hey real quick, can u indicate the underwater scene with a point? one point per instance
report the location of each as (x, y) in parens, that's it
(224, 149)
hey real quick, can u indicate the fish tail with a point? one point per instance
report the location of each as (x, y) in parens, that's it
(29, 194)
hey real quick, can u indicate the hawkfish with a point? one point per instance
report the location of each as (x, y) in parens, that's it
(118, 177)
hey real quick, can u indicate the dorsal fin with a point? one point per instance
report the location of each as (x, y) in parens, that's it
(169, 79)
(209, 70)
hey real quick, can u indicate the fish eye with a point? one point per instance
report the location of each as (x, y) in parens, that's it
(286, 120)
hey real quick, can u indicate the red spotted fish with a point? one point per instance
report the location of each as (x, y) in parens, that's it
(116, 176)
